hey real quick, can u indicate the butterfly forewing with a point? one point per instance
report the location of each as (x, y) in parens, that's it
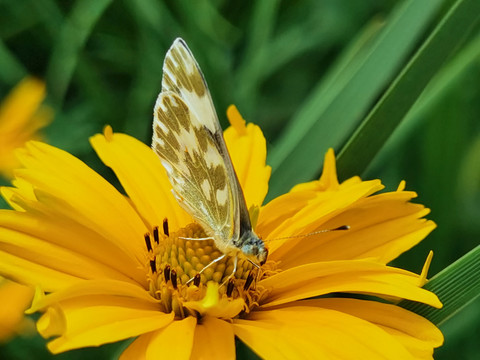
(188, 138)
(182, 75)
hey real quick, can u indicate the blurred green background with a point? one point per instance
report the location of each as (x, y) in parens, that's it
(283, 63)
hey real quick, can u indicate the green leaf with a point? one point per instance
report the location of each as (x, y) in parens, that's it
(73, 36)
(259, 35)
(456, 286)
(437, 89)
(11, 70)
(369, 138)
(335, 107)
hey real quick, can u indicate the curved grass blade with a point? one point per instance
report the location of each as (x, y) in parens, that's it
(259, 35)
(73, 36)
(368, 139)
(438, 88)
(11, 71)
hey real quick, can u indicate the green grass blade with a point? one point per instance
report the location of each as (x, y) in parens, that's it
(451, 74)
(73, 36)
(457, 286)
(11, 70)
(368, 139)
(249, 74)
(334, 109)
(49, 14)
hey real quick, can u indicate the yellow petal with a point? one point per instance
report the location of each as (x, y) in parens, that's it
(381, 228)
(287, 216)
(94, 288)
(52, 322)
(21, 104)
(303, 332)
(328, 180)
(69, 188)
(423, 276)
(29, 272)
(416, 333)
(248, 151)
(110, 319)
(15, 298)
(345, 276)
(20, 118)
(40, 237)
(21, 190)
(174, 341)
(55, 257)
(137, 350)
(142, 176)
(214, 339)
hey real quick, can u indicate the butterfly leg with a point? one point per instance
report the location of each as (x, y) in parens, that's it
(235, 263)
(211, 263)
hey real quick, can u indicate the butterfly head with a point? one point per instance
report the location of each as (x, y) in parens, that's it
(253, 247)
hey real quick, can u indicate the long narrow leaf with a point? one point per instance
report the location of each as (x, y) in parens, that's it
(73, 35)
(405, 90)
(11, 70)
(259, 35)
(334, 109)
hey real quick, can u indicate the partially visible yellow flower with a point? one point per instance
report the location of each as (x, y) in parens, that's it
(14, 299)
(21, 116)
(116, 267)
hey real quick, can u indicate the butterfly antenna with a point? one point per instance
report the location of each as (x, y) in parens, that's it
(340, 228)
(199, 239)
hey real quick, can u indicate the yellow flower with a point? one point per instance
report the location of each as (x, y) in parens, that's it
(21, 116)
(15, 299)
(116, 266)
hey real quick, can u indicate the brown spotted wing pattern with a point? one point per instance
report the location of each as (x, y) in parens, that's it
(189, 141)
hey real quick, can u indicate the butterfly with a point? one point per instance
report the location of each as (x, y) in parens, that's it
(189, 141)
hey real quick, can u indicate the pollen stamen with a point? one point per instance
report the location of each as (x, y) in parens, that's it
(153, 265)
(165, 227)
(180, 270)
(230, 287)
(155, 235)
(196, 280)
(166, 273)
(249, 281)
(173, 278)
(148, 242)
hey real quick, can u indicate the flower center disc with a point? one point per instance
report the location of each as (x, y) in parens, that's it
(180, 270)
